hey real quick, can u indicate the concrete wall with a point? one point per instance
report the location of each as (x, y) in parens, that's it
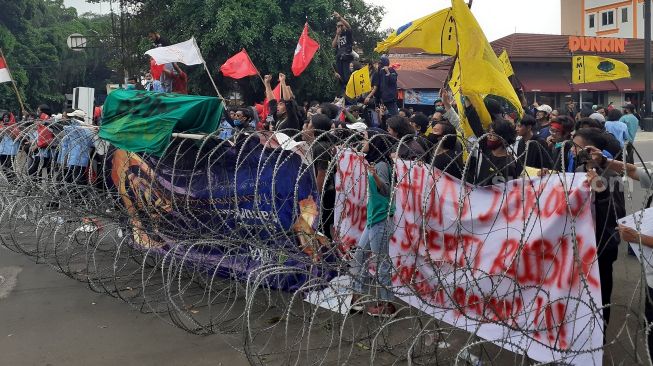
(632, 27)
(617, 98)
(571, 15)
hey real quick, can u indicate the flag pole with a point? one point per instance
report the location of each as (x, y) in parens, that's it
(250, 61)
(13, 83)
(212, 81)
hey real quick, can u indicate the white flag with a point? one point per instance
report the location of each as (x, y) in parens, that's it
(4, 71)
(186, 53)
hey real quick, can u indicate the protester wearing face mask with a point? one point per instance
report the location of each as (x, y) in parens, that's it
(493, 163)
(444, 138)
(609, 204)
(244, 119)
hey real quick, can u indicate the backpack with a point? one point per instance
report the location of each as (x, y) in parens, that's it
(44, 136)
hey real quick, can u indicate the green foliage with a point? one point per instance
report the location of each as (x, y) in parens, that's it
(268, 29)
(33, 37)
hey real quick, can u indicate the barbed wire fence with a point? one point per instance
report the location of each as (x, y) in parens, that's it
(169, 236)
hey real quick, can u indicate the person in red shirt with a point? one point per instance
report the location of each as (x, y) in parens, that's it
(179, 81)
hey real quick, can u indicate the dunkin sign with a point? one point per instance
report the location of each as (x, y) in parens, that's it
(597, 44)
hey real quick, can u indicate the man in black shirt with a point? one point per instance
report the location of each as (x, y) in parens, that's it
(388, 86)
(343, 42)
(444, 137)
(609, 205)
(537, 155)
(157, 40)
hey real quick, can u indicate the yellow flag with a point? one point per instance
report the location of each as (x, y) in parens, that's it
(359, 83)
(481, 72)
(434, 33)
(507, 66)
(589, 69)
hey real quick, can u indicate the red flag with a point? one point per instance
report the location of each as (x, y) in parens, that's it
(156, 70)
(239, 66)
(277, 92)
(306, 48)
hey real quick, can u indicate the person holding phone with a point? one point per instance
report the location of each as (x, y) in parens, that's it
(628, 234)
(609, 204)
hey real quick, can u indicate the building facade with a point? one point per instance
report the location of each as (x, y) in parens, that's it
(603, 18)
(543, 69)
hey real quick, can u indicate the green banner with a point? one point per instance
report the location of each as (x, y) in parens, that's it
(140, 121)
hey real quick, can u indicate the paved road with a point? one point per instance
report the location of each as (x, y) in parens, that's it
(49, 319)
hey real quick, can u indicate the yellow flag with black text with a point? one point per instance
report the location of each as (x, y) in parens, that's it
(481, 72)
(359, 83)
(434, 33)
(507, 66)
(590, 69)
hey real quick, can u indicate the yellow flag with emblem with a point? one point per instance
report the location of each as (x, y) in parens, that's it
(590, 69)
(481, 72)
(434, 33)
(507, 66)
(359, 83)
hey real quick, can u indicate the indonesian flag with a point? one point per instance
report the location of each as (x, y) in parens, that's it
(187, 53)
(306, 48)
(4, 71)
(239, 66)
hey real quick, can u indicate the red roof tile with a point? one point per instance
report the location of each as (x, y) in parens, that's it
(421, 79)
(415, 62)
(526, 47)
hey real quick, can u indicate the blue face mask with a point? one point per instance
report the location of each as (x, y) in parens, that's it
(439, 109)
(237, 123)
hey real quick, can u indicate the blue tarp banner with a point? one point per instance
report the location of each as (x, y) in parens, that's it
(229, 212)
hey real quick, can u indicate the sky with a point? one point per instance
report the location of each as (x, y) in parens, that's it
(498, 18)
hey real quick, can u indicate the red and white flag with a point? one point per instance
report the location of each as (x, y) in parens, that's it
(4, 71)
(187, 53)
(306, 48)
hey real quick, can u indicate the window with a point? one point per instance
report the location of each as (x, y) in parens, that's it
(591, 21)
(607, 18)
(624, 15)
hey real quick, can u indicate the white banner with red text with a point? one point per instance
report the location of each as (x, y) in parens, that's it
(513, 263)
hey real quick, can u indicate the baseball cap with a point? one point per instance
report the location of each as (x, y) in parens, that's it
(77, 113)
(545, 108)
(358, 126)
(597, 116)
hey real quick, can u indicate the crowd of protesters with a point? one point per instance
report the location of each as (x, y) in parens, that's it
(573, 141)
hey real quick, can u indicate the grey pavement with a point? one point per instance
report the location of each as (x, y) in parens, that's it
(52, 320)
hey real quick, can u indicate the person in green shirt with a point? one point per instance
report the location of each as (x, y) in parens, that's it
(373, 244)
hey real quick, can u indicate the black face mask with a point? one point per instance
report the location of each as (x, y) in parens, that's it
(493, 144)
(437, 138)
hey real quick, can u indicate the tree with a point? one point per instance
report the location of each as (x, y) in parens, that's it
(33, 37)
(268, 29)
